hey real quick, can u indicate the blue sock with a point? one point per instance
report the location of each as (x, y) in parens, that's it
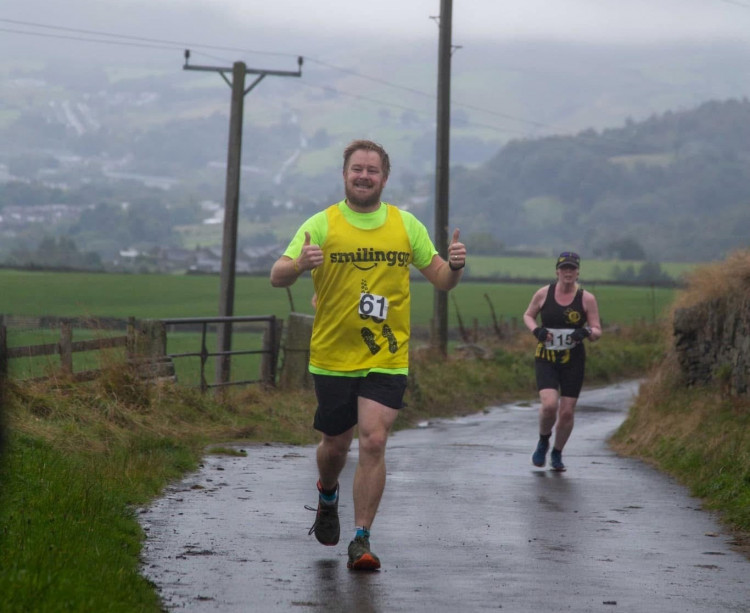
(329, 498)
(362, 531)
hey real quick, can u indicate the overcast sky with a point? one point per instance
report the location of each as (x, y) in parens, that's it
(293, 23)
(596, 20)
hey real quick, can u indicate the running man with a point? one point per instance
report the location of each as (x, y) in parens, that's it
(359, 252)
(569, 314)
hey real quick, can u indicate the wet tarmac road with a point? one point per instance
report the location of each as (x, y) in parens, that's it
(466, 524)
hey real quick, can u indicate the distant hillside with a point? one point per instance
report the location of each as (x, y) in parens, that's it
(675, 187)
(140, 145)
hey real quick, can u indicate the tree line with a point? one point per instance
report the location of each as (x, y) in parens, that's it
(674, 188)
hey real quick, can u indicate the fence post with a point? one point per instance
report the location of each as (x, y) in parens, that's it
(66, 347)
(130, 342)
(3, 348)
(271, 346)
(150, 339)
(294, 373)
(150, 350)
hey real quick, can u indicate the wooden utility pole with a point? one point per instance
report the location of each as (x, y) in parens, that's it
(442, 169)
(232, 199)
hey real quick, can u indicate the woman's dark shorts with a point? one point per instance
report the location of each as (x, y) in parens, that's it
(337, 398)
(566, 378)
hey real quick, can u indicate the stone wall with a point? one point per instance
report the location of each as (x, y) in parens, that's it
(712, 341)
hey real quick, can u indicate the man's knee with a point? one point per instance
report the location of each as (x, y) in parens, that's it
(373, 441)
(335, 445)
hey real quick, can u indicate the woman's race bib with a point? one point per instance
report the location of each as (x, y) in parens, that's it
(560, 339)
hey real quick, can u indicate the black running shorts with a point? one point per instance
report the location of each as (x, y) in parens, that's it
(337, 398)
(567, 378)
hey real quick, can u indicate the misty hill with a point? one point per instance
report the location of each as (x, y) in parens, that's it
(674, 187)
(120, 152)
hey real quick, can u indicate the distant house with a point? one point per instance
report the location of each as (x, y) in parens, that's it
(175, 258)
(259, 259)
(45, 214)
(207, 259)
(249, 259)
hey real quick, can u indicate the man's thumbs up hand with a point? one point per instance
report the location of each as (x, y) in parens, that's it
(456, 252)
(310, 257)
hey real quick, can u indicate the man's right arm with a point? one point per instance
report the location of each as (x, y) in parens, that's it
(286, 269)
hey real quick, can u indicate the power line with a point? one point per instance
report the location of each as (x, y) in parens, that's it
(176, 44)
(322, 87)
(427, 95)
(328, 88)
(171, 45)
(153, 43)
(87, 40)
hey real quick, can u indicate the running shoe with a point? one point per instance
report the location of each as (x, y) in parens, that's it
(360, 556)
(555, 461)
(540, 455)
(326, 527)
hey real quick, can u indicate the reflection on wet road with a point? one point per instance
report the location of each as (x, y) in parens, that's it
(466, 524)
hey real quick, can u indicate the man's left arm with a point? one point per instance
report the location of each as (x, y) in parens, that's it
(446, 275)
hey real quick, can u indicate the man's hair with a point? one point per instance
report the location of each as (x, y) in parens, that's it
(368, 145)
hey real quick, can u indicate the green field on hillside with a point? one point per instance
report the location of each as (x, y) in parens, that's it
(487, 266)
(170, 296)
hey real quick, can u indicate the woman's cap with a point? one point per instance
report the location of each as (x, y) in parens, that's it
(568, 258)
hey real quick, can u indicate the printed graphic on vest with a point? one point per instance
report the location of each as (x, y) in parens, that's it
(572, 316)
(366, 258)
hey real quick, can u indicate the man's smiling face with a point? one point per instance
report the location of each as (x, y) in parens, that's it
(364, 180)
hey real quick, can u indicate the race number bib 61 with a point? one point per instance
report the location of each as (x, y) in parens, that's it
(372, 305)
(560, 339)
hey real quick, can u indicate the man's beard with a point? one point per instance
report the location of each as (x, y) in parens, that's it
(365, 203)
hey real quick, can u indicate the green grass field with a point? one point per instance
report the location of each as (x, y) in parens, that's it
(486, 266)
(168, 296)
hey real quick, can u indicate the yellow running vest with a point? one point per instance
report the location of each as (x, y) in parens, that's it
(363, 312)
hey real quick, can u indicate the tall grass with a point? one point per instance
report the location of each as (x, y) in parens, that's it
(701, 437)
(712, 281)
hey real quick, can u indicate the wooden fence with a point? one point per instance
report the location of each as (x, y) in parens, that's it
(66, 346)
(144, 341)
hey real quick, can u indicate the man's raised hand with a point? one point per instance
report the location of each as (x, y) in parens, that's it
(456, 252)
(311, 255)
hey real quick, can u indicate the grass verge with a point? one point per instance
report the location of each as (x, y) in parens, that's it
(701, 437)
